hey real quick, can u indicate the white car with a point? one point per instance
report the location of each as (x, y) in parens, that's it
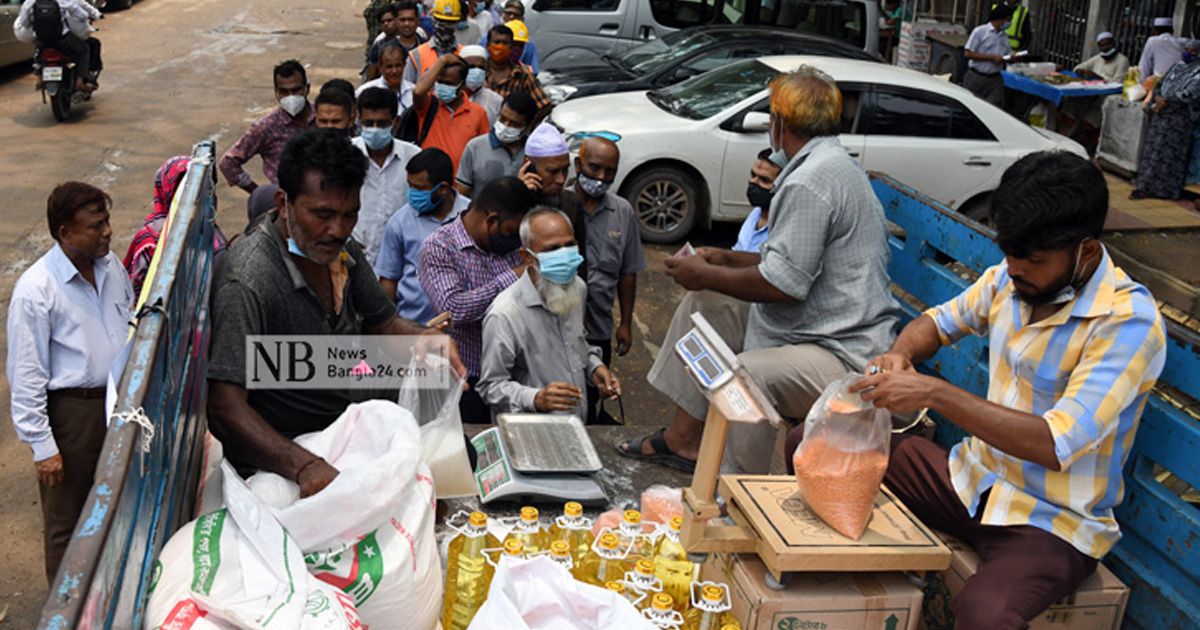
(687, 149)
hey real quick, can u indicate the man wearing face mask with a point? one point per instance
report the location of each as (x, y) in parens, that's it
(535, 358)
(466, 263)
(987, 50)
(614, 254)
(506, 76)
(386, 186)
(456, 119)
(759, 192)
(432, 203)
(334, 110)
(547, 164)
(446, 16)
(267, 137)
(467, 32)
(514, 10)
(477, 90)
(1076, 346)
(502, 151)
(1109, 64)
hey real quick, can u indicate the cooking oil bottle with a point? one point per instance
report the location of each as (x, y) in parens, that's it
(605, 562)
(514, 548)
(529, 531)
(619, 588)
(711, 610)
(468, 573)
(732, 625)
(560, 552)
(662, 613)
(574, 528)
(640, 545)
(671, 565)
(642, 581)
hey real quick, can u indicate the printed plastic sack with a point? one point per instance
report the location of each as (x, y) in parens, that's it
(237, 568)
(442, 445)
(843, 457)
(539, 594)
(209, 490)
(661, 503)
(370, 532)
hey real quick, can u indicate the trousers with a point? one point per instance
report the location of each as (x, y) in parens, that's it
(78, 426)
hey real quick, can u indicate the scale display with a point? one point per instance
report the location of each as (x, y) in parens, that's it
(701, 361)
(498, 481)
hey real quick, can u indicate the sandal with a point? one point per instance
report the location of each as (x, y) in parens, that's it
(662, 453)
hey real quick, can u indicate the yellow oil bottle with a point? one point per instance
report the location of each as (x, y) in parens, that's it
(468, 573)
(604, 563)
(574, 528)
(662, 613)
(619, 588)
(642, 581)
(529, 531)
(671, 565)
(560, 552)
(640, 544)
(711, 610)
(732, 625)
(514, 548)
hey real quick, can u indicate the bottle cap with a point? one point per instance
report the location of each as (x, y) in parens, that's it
(573, 509)
(644, 567)
(676, 523)
(478, 519)
(609, 541)
(514, 547)
(662, 601)
(712, 593)
(633, 517)
(529, 514)
(731, 626)
(560, 548)
(615, 587)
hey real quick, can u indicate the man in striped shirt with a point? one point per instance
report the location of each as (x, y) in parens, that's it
(1075, 348)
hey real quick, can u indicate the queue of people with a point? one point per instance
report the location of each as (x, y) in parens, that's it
(359, 230)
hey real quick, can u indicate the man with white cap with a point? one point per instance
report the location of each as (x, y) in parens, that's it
(480, 94)
(1109, 64)
(1161, 51)
(547, 162)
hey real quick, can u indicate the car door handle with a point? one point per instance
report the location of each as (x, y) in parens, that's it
(647, 32)
(611, 28)
(977, 161)
(854, 154)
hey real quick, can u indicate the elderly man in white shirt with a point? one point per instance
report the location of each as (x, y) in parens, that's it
(1161, 51)
(74, 39)
(386, 188)
(67, 322)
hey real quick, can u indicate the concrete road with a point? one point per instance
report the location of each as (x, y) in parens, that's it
(179, 71)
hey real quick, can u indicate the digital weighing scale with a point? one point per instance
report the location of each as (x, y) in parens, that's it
(537, 458)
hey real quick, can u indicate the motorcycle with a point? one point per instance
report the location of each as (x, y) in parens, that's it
(56, 79)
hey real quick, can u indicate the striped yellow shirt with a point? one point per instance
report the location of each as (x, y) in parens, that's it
(1087, 369)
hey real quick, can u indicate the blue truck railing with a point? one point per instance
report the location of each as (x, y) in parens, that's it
(935, 255)
(141, 497)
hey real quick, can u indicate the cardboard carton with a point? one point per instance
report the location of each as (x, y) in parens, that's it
(1099, 604)
(816, 601)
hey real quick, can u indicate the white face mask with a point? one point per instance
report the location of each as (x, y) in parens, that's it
(506, 134)
(293, 104)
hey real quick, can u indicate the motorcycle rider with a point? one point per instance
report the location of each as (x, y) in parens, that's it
(74, 37)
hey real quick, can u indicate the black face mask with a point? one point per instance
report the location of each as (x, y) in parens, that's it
(501, 244)
(759, 197)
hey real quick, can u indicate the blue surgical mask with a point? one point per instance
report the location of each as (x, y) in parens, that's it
(559, 265)
(294, 248)
(446, 93)
(377, 138)
(422, 200)
(475, 77)
(480, 7)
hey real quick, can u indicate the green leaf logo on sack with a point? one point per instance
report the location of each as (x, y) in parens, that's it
(357, 574)
(206, 550)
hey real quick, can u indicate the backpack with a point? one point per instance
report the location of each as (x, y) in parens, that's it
(47, 21)
(408, 130)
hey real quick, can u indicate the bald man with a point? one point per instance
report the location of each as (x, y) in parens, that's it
(614, 254)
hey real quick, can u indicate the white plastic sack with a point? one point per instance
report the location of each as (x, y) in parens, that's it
(208, 492)
(539, 594)
(370, 532)
(237, 568)
(442, 445)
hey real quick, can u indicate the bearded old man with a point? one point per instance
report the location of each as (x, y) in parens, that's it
(535, 357)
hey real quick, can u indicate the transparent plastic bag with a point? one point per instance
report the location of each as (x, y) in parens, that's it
(660, 503)
(442, 445)
(843, 457)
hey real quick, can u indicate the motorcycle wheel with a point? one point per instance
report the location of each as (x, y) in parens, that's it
(60, 104)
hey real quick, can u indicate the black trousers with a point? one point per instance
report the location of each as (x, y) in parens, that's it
(471, 406)
(597, 415)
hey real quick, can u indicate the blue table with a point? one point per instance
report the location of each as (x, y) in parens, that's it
(1054, 95)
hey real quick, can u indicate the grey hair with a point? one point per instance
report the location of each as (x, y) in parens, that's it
(526, 230)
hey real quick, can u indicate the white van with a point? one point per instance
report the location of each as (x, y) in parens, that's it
(565, 30)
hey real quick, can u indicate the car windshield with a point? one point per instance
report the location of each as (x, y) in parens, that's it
(712, 92)
(658, 53)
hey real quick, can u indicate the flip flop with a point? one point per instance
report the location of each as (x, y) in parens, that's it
(662, 453)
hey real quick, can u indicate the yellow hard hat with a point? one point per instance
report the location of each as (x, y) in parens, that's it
(448, 10)
(520, 31)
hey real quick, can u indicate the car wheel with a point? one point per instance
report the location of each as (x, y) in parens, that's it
(666, 203)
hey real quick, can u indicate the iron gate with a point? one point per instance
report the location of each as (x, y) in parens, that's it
(1059, 29)
(1132, 21)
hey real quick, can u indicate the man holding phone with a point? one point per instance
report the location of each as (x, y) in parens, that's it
(547, 163)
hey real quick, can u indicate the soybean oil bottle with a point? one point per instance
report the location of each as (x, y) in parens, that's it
(514, 548)
(560, 552)
(711, 611)
(604, 563)
(529, 531)
(640, 544)
(671, 565)
(620, 589)
(574, 528)
(662, 613)
(468, 573)
(642, 582)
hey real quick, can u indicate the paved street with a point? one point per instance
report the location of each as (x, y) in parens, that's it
(178, 71)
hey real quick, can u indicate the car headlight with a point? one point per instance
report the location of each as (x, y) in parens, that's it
(559, 93)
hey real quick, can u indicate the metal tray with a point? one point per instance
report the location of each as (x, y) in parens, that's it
(547, 443)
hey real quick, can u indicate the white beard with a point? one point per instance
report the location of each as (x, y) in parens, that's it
(561, 299)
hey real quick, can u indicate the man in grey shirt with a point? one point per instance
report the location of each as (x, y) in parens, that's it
(535, 357)
(813, 306)
(501, 152)
(986, 50)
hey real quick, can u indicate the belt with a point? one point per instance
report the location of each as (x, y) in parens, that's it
(985, 74)
(87, 393)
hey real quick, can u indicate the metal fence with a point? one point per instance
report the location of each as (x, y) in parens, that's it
(1132, 21)
(1059, 30)
(141, 497)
